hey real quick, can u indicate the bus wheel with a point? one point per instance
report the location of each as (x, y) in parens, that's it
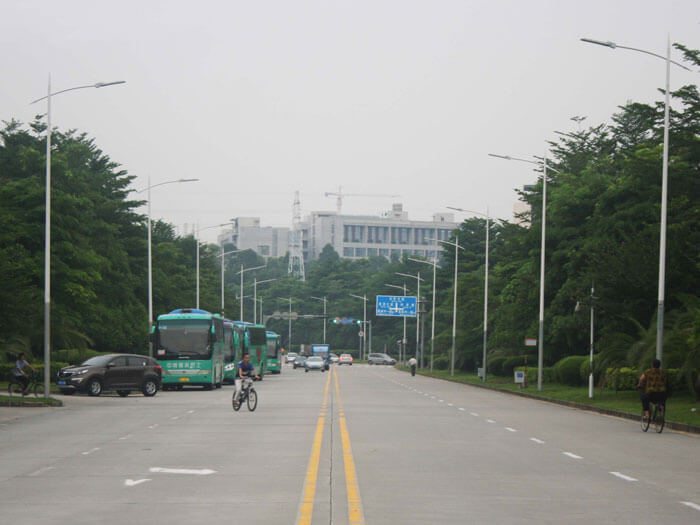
(208, 386)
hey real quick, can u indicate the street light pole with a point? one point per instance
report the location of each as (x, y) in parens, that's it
(664, 184)
(434, 264)
(419, 356)
(255, 297)
(197, 254)
(364, 322)
(324, 314)
(243, 270)
(47, 226)
(402, 348)
(223, 256)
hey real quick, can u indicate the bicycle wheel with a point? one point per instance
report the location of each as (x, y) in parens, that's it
(252, 399)
(658, 419)
(236, 402)
(14, 389)
(645, 422)
(38, 389)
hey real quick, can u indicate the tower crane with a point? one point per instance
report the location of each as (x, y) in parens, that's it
(340, 195)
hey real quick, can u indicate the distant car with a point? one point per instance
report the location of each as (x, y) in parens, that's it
(120, 372)
(345, 359)
(380, 359)
(314, 363)
(299, 361)
(291, 356)
(334, 358)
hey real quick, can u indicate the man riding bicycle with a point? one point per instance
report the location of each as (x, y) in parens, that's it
(245, 369)
(19, 374)
(653, 385)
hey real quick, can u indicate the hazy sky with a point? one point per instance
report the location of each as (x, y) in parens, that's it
(258, 99)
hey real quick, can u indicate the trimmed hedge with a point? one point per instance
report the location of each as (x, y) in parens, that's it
(622, 378)
(494, 365)
(568, 370)
(441, 362)
(531, 373)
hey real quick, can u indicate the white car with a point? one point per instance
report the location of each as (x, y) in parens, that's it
(314, 363)
(291, 356)
(334, 358)
(345, 359)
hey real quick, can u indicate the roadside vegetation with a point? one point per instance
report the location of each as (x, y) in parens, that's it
(602, 230)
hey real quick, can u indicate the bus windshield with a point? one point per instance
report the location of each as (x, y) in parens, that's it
(183, 339)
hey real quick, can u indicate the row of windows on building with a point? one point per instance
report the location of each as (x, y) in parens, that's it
(385, 252)
(393, 234)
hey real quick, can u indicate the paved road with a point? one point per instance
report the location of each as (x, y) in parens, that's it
(365, 444)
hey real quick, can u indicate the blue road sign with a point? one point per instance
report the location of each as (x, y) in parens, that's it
(396, 306)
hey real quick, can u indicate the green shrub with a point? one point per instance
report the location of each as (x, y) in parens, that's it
(567, 371)
(510, 363)
(676, 381)
(531, 372)
(621, 378)
(441, 362)
(74, 356)
(495, 365)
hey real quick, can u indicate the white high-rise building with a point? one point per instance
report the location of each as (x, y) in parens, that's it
(247, 234)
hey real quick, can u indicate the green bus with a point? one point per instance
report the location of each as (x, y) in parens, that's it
(190, 344)
(274, 359)
(254, 343)
(233, 349)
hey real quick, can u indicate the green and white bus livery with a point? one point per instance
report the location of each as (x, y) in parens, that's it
(274, 359)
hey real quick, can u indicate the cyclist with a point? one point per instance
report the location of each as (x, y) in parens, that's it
(245, 368)
(653, 385)
(20, 375)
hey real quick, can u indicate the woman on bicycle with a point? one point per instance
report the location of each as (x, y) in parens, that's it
(245, 368)
(653, 385)
(20, 375)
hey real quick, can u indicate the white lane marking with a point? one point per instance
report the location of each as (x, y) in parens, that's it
(134, 482)
(432, 397)
(461, 409)
(41, 470)
(196, 472)
(426, 395)
(474, 414)
(622, 476)
(175, 417)
(510, 429)
(190, 411)
(442, 401)
(153, 426)
(450, 404)
(538, 441)
(490, 421)
(420, 391)
(91, 451)
(691, 505)
(572, 455)
(126, 437)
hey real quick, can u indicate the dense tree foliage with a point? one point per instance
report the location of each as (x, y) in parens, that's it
(603, 217)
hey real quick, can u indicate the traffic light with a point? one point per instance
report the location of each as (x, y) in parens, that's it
(336, 320)
(358, 321)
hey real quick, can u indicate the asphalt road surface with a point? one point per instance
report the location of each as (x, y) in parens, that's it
(362, 444)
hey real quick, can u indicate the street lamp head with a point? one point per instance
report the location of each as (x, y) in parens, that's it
(105, 84)
(611, 45)
(188, 180)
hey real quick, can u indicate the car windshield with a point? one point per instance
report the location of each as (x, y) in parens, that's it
(98, 360)
(291, 354)
(183, 339)
(314, 360)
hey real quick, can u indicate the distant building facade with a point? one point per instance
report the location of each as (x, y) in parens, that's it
(247, 234)
(391, 235)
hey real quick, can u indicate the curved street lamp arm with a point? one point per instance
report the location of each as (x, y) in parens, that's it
(98, 85)
(613, 45)
(168, 182)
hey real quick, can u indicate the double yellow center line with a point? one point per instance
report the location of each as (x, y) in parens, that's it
(355, 515)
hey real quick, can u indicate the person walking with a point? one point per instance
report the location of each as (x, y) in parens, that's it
(413, 363)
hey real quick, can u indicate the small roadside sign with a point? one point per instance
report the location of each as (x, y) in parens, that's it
(530, 342)
(519, 377)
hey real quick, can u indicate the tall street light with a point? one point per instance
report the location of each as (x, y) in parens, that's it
(435, 265)
(223, 255)
(255, 297)
(47, 226)
(364, 322)
(419, 355)
(325, 302)
(197, 254)
(664, 184)
(454, 301)
(486, 283)
(540, 337)
(150, 255)
(243, 270)
(402, 349)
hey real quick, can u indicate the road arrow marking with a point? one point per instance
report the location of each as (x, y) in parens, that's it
(626, 478)
(196, 472)
(134, 482)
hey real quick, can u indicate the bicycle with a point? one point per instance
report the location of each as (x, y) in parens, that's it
(656, 417)
(248, 395)
(15, 388)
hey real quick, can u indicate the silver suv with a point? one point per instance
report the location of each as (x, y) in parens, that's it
(380, 359)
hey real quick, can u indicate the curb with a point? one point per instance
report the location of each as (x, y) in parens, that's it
(683, 427)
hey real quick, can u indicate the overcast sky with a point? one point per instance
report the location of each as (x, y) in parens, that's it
(258, 99)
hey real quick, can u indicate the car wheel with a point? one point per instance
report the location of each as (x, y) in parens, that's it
(149, 388)
(123, 393)
(94, 387)
(306, 369)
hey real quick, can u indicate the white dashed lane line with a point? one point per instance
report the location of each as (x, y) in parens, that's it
(91, 451)
(538, 441)
(509, 429)
(691, 505)
(474, 414)
(490, 421)
(125, 437)
(153, 426)
(461, 409)
(572, 455)
(622, 476)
